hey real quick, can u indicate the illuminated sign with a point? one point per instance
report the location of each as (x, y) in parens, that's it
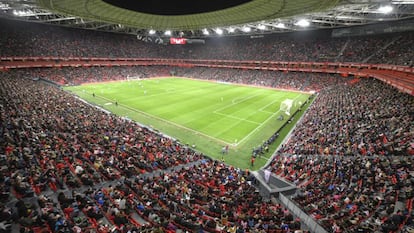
(178, 40)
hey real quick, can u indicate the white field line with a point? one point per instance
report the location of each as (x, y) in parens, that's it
(260, 125)
(169, 122)
(263, 157)
(262, 108)
(255, 129)
(237, 118)
(166, 91)
(234, 102)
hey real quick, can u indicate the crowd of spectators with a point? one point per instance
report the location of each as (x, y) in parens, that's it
(342, 154)
(360, 48)
(352, 155)
(298, 81)
(365, 118)
(69, 167)
(399, 50)
(46, 40)
(80, 75)
(57, 132)
(352, 193)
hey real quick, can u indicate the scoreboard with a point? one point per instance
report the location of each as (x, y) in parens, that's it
(182, 41)
(178, 40)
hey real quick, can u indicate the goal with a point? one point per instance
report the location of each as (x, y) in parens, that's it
(130, 78)
(286, 105)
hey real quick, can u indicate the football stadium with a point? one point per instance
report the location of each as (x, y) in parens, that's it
(239, 116)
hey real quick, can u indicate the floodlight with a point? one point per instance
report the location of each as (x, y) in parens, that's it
(302, 23)
(4, 6)
(280, 25)
(385, 9)
(246, 29)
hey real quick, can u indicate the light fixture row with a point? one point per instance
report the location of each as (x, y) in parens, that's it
(302, 22)
(246, 29)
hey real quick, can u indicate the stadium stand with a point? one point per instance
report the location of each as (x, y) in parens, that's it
(38, 41)
(67, 166)
(365, 118)
(55, 143)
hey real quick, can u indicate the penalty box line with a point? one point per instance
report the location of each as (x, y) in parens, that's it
(233, 103)
(259, 126)
(169, 122)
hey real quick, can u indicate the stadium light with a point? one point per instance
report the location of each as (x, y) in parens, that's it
(205, 32)
(385, 9)
(280, 25)
(19, 12)
(231, 30)
(167, 33)
(246, 29)
(302, 23)
(261, 27)
(219, 31)
(151, 32)
(4, 6)
(24, 13)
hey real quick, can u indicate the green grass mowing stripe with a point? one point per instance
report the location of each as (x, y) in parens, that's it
(184, 105)
(187, 110)
(169, 122)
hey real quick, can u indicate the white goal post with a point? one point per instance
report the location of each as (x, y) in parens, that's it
(286, 105)
(129, 78)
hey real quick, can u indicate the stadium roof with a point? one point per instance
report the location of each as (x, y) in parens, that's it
(195, 19)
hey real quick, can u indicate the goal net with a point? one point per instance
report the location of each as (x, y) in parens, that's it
(129, 78)
(286, 105)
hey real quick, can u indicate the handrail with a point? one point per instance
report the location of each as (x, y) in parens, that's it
(305, 218)
(251, 62)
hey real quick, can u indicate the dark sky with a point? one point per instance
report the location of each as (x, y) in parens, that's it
(175, 7)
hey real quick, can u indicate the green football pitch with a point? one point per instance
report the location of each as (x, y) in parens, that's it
(205, 114)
